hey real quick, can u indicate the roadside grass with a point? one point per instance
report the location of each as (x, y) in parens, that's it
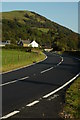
(12, 59)
(72, 100)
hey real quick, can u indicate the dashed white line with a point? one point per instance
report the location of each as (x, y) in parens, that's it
(53, 92)
(7, 83)
(33, 103)
(52, 67)
(9, 115)
(77, 59)
(23, 78)
(46, 70)
(46, 96)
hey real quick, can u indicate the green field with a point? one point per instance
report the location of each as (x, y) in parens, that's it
(12, 59)
(72, 101)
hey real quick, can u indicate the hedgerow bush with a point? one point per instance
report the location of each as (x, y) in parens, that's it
(16, 47)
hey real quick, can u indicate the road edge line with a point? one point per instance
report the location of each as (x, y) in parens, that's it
(9, 115)
(58, 89)
(33, 103)
(24, 66)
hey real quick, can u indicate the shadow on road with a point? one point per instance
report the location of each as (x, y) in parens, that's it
(39, 82)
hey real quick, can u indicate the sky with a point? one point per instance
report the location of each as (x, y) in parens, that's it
(63, 13)
(40, 0)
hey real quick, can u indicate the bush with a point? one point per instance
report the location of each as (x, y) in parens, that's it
(12, 46)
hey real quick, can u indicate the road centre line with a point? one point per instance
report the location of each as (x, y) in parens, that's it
(46, 96)
(46, 70)
(52, 67)
(9, 115)
(11, 82)
(58, 89)
(15, 112)
(33, 103)
(7, 83)
(28, 77)
(25, 66)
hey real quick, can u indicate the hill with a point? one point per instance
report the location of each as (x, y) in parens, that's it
(30, 25)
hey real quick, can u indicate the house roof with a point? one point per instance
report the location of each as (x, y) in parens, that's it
(34, 42)
(26, 41)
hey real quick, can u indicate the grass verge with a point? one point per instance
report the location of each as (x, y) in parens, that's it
(12, 59)
(72, 101)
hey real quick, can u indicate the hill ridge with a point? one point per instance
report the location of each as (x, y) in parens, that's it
(26, 24)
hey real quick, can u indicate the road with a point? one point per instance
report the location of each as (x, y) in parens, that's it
(27, 86)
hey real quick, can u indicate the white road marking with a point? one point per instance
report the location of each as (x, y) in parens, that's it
(77, 59)
(13, 81)
(53, 97)
(33, 103)
(23, 78)
(25, 66)
(58, 89)
(46, 70)
(9, 115)
(37, 101)
(52, 67)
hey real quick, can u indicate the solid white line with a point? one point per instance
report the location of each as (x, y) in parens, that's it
(9, 115)
(51, 93)
(33, 103)
(13, 81)
(24, 66)
(46, 70)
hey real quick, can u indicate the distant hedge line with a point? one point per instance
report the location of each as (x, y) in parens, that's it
(73, 53)
(26, 49)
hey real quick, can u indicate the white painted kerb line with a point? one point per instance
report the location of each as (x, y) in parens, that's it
(33, 103)
(53, 92)
(9, 115)
(13, 81)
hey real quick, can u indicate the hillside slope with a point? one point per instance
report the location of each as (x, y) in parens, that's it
(30, 25)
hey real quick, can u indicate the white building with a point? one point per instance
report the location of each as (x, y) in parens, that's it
(3, 43)
(34, 44)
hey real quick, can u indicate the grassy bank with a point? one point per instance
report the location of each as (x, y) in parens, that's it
(72, 101)
(12, 59)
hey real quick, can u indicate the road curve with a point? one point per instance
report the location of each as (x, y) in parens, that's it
(21, 87)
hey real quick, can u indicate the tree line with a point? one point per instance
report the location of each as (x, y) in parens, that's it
(58, 37)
